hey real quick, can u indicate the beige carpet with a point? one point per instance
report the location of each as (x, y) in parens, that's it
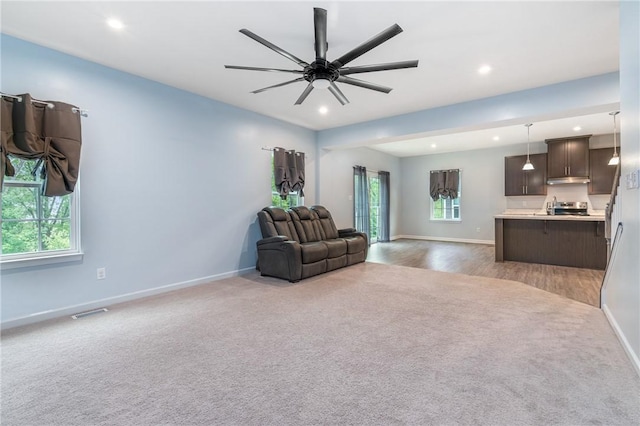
(370, 344)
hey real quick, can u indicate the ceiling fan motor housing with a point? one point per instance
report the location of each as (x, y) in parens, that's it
(320, 69)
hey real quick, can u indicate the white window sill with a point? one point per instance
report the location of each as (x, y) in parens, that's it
(40, 260)
(446, 220)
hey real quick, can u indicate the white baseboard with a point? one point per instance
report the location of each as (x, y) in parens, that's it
(70, 310)
(450, 240)
(635, 361)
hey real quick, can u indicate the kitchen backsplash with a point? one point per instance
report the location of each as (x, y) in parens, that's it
(577, 192)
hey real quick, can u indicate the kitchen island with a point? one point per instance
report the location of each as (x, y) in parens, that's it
(562, 240)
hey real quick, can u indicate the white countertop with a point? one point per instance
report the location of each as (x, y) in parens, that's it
(594, 215)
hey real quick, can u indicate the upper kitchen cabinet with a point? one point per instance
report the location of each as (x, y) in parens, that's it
(601, 173)
(525, 182)
(568, 160)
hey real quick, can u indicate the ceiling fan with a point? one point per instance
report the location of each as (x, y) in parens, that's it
(322, 74)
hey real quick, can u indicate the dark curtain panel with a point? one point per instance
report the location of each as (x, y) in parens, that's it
(281, 172)
(288, 171)
(53, 137)
(444, 184)
(361, 200)
(299, 185)
(6, 136)
(385, 206)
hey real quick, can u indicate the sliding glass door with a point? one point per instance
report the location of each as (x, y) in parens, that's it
(374, 205)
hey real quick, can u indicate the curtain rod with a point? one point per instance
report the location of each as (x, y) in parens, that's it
(446, 170)
(82, 112)
(268, 148)
(372, 170)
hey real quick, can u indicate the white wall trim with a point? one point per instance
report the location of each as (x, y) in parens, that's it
(446, 239)
(74, 309)
(633, 357)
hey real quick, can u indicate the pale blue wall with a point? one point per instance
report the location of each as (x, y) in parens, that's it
(622, 297)
(170, 181)
(336, 169)
(482, 173)
(587, 95)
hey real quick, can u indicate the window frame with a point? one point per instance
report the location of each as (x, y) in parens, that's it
(275, 195)
(455, 201)
(37, 258)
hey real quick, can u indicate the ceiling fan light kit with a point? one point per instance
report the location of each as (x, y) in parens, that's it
(322, 74)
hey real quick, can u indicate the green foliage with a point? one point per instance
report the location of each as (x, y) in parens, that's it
(374, 206)
(30, 221)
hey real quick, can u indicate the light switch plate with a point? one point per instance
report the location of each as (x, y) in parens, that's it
(632, 179)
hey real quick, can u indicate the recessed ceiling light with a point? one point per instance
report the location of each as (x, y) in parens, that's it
(323, 110)
(485, 69)
(577, 129)
(433, 145)
(116, 24)
(496, 138)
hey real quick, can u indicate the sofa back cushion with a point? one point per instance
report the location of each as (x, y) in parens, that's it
(275, 221)
(306, 224)
(327, 226)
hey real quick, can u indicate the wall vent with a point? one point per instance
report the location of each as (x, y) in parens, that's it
(86, 314)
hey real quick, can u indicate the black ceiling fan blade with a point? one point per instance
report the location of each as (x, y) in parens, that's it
(365, 84)
(304, 95)
(374, 41)
(278, 85)
(379, 67)
(338, 94)
(320, 24)
(274, 47)
(240, 67)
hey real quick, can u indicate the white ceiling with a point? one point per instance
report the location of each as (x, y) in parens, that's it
(187, 44)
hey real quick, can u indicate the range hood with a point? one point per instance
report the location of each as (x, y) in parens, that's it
(568, 179)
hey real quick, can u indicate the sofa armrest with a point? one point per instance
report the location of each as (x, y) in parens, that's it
(270, 240)
(280, 257)
(346, 232)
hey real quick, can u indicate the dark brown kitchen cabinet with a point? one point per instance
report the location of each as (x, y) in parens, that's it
(568, 157)
(579, 244)
(525, 182)
(601, 173)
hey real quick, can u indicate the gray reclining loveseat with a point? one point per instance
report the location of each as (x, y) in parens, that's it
(303, 242)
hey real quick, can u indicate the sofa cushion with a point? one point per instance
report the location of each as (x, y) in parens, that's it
(326, 223)
(355, 244)
(275, 221)
(306, 224)
(337, 247)
(314, 251)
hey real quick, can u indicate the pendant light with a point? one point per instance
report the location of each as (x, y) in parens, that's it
(528, 165)
(615, 159)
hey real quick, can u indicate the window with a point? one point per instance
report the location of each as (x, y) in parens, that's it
(446, 208)
(35, 226)
(293, 200)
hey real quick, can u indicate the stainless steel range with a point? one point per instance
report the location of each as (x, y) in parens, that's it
(575, 208)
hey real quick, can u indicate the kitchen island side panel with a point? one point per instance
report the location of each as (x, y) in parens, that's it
(579, 244)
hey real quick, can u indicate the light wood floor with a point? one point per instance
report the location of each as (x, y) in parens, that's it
(579, 284)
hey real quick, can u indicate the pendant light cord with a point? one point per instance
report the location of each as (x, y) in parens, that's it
(615, 130)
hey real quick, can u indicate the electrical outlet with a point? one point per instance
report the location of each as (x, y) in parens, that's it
(524, 204)
(477, 229)
(101, 273)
